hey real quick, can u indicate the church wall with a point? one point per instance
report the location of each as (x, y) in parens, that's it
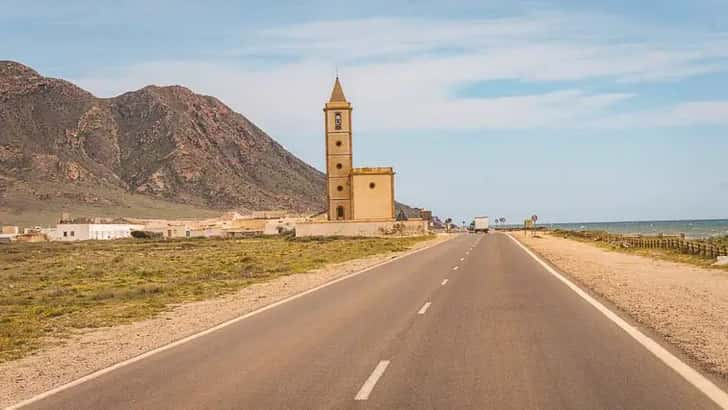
(335, 183)
(334, 160)
(372, 196)
(345, 119)
(339, 143)
(344, 203)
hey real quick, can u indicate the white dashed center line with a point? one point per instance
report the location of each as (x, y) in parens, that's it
(444, 281)
(368, 386)
(462, 259)
(455, 268)
(424, 308)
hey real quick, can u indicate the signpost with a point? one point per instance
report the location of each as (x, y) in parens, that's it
(529, 223)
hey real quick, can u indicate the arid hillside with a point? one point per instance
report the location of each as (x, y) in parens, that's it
(154, 150)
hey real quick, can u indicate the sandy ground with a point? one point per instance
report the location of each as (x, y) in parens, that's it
(686, 304)
(95, 349)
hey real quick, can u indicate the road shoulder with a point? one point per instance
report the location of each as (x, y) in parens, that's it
(683, 307)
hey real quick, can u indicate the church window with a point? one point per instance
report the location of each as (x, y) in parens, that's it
(338, 143)
(372, 185)
(337, 121)
(339, 166)
(339, 212)
(339, 188)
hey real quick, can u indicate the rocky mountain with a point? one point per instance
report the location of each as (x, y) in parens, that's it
(58, 142)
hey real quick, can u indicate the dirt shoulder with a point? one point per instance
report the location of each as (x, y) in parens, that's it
(91, 350)
(687, 305)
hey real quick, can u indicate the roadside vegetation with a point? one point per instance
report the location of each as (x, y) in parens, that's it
(48, 290)
(719, 240)
(674, 255)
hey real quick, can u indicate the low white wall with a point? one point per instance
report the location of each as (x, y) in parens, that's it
(361, 228)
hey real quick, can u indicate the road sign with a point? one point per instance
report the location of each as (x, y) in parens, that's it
(534, 218)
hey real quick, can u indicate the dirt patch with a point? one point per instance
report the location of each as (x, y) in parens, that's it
(91, 350)
(688, 305)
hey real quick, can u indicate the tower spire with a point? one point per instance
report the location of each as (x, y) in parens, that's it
(337, 94)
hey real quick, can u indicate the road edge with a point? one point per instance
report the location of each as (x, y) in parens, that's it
(692, 376)
(215, 328)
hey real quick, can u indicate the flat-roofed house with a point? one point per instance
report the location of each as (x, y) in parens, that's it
(93, 229)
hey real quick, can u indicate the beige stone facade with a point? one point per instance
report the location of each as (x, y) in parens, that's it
(372, 193)
(353, 193)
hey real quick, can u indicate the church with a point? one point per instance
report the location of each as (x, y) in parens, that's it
(360, 201)
(353, 193)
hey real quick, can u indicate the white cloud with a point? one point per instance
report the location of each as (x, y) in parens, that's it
(680, 115)
(403, 73)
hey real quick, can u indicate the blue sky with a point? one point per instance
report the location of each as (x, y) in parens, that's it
(574, 110)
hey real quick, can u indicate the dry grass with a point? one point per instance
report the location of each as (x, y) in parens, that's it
(672, 255)
(50, 289)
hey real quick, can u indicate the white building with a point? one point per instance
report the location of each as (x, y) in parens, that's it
(87, 231)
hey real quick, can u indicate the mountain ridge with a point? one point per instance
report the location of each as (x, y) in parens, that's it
(166, 142)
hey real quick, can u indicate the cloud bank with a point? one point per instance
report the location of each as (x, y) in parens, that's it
(403, 74)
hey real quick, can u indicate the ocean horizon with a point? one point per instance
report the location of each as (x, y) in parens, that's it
(692, 228)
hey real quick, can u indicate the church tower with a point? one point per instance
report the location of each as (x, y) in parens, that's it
(338, 154)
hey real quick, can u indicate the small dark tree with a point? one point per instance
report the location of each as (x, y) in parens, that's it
(146, 235)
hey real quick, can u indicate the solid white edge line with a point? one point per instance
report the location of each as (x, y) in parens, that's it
(424, 308)
(688, 373)
(444, 281)
(368, 386)
(222, 325)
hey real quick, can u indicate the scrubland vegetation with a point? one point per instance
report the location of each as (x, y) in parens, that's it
(50, 289)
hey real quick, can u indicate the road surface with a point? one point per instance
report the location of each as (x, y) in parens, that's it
(474, 322)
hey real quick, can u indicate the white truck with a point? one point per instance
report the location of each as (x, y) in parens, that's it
(482, 224)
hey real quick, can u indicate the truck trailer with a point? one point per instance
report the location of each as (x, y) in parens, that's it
(482, 224)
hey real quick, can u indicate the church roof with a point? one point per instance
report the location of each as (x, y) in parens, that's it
(337, 94)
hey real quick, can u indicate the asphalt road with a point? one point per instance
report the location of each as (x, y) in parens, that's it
(471, 323)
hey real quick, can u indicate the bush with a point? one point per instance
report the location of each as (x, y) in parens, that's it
(146, 235)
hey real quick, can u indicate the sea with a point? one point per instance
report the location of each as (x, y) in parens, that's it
(696, 228)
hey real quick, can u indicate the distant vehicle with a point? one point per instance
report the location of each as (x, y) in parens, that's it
(482, 224)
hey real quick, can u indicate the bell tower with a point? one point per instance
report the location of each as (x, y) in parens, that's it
(337, 114)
